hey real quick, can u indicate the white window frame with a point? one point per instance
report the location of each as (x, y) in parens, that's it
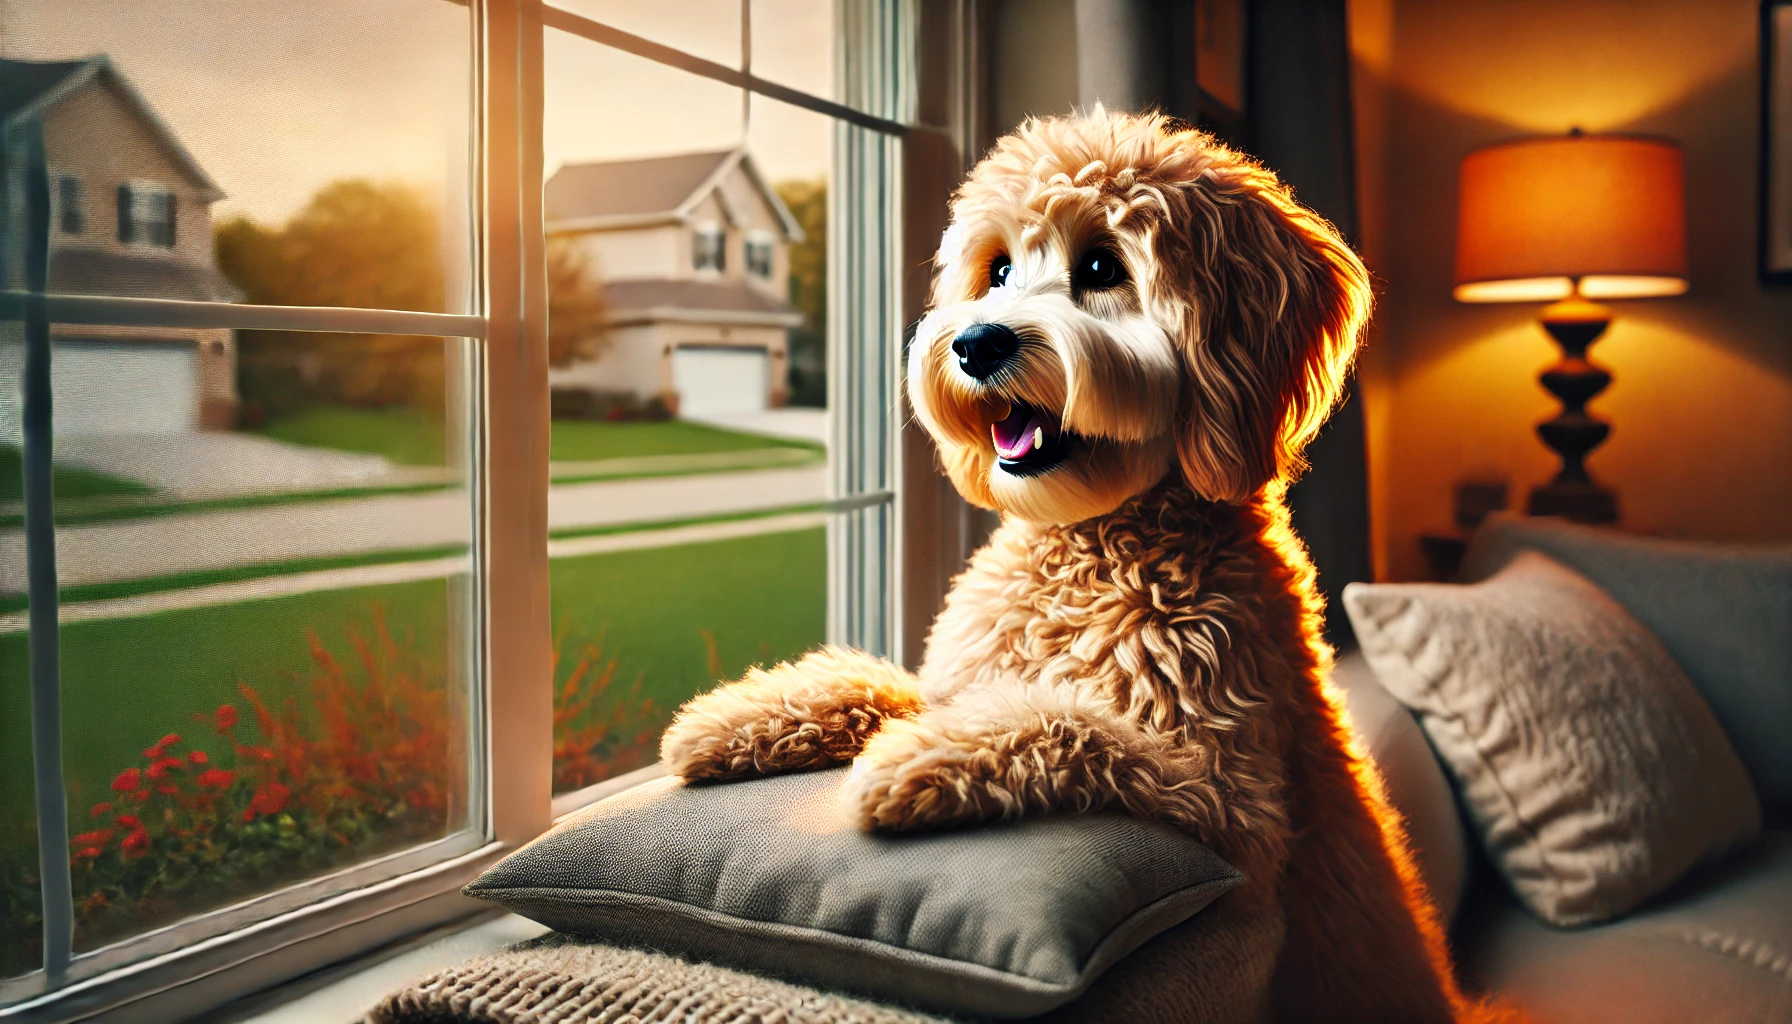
(709, 249)
(197, 964)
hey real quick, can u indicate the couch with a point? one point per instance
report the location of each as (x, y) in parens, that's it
(1718, 945)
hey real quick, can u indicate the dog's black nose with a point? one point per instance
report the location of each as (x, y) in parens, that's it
(983, 348)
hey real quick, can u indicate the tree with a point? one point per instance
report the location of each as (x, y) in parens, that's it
(576, 308)
(356, 243)
(808, 202)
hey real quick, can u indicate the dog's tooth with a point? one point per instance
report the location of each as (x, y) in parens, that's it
(1039, 437)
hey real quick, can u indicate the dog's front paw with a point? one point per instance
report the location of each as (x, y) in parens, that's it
(798, 716)
(912, 778)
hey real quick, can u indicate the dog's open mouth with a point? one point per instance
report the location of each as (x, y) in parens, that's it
(1028, 441)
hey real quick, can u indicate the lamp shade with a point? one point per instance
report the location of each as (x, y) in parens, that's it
(1537, 215)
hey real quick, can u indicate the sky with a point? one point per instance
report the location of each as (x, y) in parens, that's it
(277, 98)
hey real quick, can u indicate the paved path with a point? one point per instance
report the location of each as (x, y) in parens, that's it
(216, 463)
(796, 422)
(405, 572)
(157, 546)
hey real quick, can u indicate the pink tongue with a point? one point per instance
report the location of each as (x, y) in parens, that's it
(1013, 436)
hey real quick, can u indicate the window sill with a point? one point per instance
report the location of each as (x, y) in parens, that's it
(345, 993)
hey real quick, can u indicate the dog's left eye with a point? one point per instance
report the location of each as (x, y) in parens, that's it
(1098, 270)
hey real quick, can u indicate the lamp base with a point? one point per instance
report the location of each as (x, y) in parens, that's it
(1582, 501)
(1575, 324)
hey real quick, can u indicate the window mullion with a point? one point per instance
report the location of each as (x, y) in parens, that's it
(44, 639)
(514, 468)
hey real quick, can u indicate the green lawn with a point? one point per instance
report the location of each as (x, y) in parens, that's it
(406, 436)
(126, 682)
(66, 481)
(412, 438)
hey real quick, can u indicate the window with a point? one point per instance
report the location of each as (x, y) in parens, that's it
(146, 216)
(302, 628)
(759, 254)
(72, 211)
(709, 248)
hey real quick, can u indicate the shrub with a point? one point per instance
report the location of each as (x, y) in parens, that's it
(258, 796)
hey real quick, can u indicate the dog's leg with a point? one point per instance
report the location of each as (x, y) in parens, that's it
(1000, 754)
(815, 712)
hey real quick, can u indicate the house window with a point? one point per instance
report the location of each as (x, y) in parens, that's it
(759, 254)
(291, 741)
(709, 248)
(146, 216)
(71, 208)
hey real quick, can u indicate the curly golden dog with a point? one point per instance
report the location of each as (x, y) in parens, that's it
(1134, 333)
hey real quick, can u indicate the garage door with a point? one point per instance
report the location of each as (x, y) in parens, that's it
(717, 381)
(101, 387)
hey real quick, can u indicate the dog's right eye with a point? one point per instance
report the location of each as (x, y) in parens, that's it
(998, 271)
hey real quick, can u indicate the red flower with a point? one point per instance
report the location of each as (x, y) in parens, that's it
(197, 757)
(226, 717)
(248, 815)
(216, 778)
(258, 753)
(270, 798)
(98, 837)
(151, 753)
(127, 780)
(137, 843)
(87, 854)
(169, 740)
(167, 788)
(130, 821)
(140, 796)
(101, 808)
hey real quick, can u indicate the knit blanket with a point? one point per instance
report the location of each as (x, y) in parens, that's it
(1212, 969)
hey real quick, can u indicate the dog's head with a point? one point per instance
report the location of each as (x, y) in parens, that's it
(1119, 295)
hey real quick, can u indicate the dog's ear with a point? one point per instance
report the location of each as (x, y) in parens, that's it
(1278, 301)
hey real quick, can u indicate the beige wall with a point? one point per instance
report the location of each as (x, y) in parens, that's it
(1702, 403)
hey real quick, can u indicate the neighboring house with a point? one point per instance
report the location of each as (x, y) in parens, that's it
(130, 214)
(693, 250)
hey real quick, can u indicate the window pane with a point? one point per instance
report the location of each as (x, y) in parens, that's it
(265, 652)
(702, 28)
(228, 151)
(689, 432)
(793, 44)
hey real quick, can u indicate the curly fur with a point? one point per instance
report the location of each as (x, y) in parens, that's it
(1143, 632)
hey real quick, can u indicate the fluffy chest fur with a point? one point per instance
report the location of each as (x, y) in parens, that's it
(1140, 608)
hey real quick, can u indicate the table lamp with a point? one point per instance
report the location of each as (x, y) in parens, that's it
(1572, 219)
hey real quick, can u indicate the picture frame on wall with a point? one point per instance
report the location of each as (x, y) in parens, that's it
(1776, 141)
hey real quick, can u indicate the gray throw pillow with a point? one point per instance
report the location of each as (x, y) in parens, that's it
(1594, 772)
(1724, 611)
(1007, 920)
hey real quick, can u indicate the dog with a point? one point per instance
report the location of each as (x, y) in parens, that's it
(1134, 332)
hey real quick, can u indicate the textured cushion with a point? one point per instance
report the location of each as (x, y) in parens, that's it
(1717, 947)
(1594, 772)
(1009, 920)
(1416, 785)
(1723, 611)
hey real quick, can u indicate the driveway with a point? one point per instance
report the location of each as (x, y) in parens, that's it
(221, 463)
(156, 546)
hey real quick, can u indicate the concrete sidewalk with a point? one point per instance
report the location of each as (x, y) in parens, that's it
(157, 546)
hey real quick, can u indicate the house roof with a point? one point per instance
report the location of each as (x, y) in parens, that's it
(653, 189)
(78, 270)
(709, 301)
(30, 87)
